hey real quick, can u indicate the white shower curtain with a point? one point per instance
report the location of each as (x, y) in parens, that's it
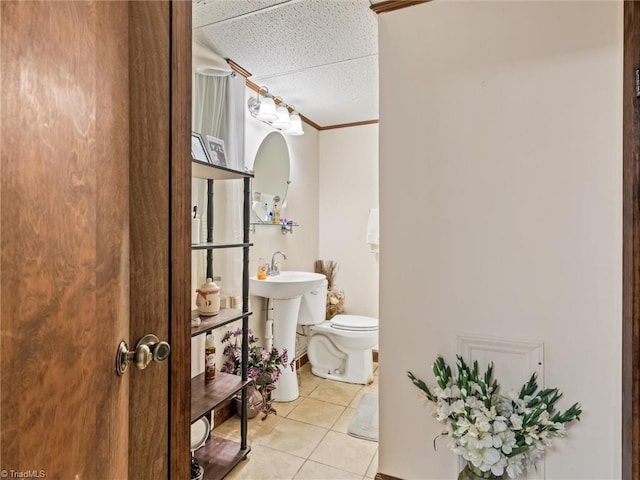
(218, 110)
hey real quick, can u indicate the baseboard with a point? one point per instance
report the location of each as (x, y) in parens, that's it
(382, 476)
(303, 360)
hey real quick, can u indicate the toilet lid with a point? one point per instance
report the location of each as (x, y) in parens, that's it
(354, 322)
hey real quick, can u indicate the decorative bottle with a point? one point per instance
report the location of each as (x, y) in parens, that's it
(209, 358)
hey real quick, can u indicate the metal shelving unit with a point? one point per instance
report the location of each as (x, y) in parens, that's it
(218, 456)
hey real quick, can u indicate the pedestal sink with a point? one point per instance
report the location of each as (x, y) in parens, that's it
(285, 290)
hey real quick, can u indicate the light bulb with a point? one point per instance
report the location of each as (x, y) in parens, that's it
(282, 121)
(296, 125)
(267, 111)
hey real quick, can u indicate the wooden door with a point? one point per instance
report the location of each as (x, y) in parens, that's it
(89, 136)
(631, 247)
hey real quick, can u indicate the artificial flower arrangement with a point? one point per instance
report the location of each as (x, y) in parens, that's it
(262, 368)
(335, 296)
(494, 433)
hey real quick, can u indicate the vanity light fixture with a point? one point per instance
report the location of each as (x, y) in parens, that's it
(265, 109)
(274, 112)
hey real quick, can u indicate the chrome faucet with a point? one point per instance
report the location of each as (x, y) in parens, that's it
(273, 268)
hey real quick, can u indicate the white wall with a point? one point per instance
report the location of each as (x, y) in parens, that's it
(501, 211)
(348, 189)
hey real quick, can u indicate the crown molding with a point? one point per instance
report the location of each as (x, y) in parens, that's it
(391, 5)
(352, 124)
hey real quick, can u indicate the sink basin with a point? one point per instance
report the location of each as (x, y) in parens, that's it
(285, 291)
(285, 285)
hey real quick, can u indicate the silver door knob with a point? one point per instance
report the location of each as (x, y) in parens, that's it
(147, 349)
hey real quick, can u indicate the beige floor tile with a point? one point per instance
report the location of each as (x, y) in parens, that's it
(373, 467)
(293, 437)
(307, 381)
(305, 368)
(264, 463)
(317, 471)
(285, 408)
(315, 412)
(336, 392)
(342, 424)
(256, 428)
(345, 452)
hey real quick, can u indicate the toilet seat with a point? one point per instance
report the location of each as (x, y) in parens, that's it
(354, 323)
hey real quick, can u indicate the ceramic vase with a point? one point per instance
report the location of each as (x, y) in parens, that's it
(255, 402)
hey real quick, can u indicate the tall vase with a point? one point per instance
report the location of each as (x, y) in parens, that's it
(470, 473)
(255, 402)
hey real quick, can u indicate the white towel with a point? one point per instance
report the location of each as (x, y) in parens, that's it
(373, 230)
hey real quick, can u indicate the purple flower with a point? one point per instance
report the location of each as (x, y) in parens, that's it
(262, 368)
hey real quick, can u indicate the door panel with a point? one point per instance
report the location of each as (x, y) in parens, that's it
(149, 196)
(94, 136)
(631, 248)
(64, 238)
(180, 407)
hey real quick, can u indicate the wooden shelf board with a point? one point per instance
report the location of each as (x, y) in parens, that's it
(218, 457)
(226, 315)
(207, 396)
(214, 172)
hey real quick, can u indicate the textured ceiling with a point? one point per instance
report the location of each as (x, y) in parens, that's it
(319, 55)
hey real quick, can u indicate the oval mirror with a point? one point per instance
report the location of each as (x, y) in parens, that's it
(271, 175)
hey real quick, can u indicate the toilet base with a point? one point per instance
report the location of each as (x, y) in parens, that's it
(349, 366)
(341, 377)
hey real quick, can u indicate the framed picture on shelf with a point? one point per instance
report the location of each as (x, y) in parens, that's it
(216, 151)
(198, 149)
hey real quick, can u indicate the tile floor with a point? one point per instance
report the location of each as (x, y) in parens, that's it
(307, 439)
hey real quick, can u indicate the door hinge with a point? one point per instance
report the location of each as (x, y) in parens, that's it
(637, 83)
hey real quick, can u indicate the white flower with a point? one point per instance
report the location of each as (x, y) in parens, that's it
(457, 407)
(486, 427)
(516, 422)
(455, 392)
(559, 428)
(499, 425)
(532, 457)
(508, 441)
(515, 466)
(483, 458)
(498, 468)
(512, 395)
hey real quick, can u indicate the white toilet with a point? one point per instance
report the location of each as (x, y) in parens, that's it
(341, 348)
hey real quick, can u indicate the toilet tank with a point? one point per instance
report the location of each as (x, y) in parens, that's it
(313, 306)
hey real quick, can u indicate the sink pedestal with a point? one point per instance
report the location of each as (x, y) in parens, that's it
(285, 291)
(285, 322)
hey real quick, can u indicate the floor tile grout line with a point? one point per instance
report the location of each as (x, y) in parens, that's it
(313, 424)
